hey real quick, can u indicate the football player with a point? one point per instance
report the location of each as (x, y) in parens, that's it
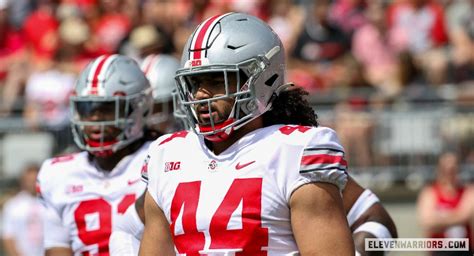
(257, 176)
(160, 70)
(84, 193)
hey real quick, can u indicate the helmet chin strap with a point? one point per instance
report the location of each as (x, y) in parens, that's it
(218, 136)
(97, 145)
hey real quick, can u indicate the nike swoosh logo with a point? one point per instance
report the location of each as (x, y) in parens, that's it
(233, 47)
(131, 182)
(238, 166)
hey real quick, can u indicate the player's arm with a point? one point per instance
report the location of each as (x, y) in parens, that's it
(140, 207)
(433, 220)
(318, 220)
(156, 237)
(366, 216)
(10, 246)
(374, 223)
(58, 251)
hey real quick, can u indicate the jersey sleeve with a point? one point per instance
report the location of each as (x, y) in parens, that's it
(44, 183)
(57, 235)
(322, 160)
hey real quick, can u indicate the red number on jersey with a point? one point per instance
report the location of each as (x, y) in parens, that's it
(103, 209)
(251, 238)
(64, 158)
(180, 134)
(187, 194)
(99, 236)
(125, 203)
(289, 129)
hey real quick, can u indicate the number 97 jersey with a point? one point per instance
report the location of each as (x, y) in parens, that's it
(82, 203)
(238, 201)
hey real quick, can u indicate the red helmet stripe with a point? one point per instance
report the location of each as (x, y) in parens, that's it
(95, 74)
(98, 71)
(199, 43)
(148, 62)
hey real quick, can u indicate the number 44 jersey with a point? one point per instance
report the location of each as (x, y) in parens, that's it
(82, 202)
(238, 201)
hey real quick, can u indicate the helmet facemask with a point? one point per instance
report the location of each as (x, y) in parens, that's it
(125, 116)
(246, 105)
(161, 114)
(232, 43)
(159, 70)
(179, 111)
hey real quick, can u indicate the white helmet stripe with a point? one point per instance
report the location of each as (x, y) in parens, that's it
(200, 37)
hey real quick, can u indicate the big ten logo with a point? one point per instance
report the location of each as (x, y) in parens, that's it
(172, 166)
(71, 189)
(195, 63)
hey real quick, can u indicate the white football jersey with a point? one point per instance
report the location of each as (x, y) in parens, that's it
(82, 203)
(238, 201)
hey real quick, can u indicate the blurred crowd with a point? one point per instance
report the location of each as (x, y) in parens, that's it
(356, 55)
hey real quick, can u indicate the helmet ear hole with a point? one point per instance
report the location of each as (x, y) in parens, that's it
(243, 77)
(271, 80)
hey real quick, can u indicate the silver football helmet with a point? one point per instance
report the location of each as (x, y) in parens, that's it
(160, 70)
(240, 44)
(111, 93)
